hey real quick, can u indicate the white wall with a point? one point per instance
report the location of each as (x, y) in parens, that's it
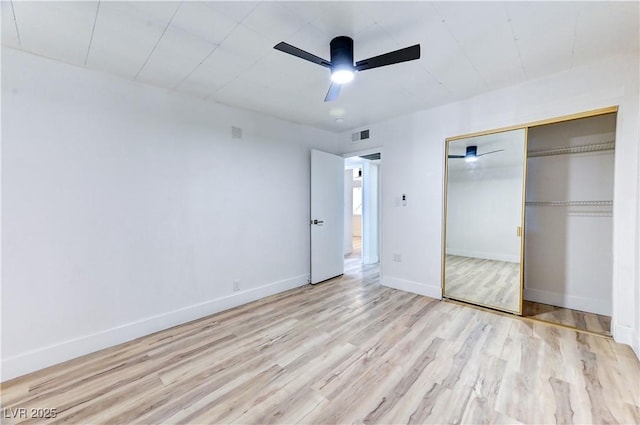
(636, 334)
(568, 250)
(483, 214)
(128, 209)
(414, 159)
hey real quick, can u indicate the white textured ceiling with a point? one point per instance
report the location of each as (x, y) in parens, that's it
(223, 51)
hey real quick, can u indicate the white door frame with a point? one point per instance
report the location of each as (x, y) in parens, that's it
(369, 151)
(370, 212)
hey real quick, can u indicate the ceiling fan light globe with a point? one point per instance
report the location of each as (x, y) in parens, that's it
(471, 159)
(342, 76)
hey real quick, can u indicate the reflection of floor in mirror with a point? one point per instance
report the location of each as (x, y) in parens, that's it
(564, 316)
(489, 283)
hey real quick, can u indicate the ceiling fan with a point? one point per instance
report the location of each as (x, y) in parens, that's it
(471, 155)
(341, 64)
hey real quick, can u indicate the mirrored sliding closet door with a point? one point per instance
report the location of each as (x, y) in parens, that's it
(484, 218)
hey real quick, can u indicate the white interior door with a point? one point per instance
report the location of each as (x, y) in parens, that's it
(327, 221)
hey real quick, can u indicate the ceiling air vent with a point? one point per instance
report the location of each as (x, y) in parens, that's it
(360, 135)
(236, 133)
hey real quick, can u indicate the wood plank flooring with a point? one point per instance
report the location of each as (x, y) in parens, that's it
(345, 351)
(590, 322)
(353, 261)
(496, 284)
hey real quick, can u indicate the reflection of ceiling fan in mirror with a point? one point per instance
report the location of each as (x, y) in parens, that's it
(472, 154)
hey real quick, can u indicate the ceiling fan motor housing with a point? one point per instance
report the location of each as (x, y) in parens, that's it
(472, 151)
(341, 53)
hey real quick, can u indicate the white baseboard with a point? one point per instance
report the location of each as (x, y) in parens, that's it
(624, 335)
(635, 342)
(591, 305)
(66, 350)
(484, 255)
(433, 291)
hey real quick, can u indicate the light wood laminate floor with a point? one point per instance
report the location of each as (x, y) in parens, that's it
(582, 320)
(345, 351)
(356, 246)
(496, 284)
(489, 283)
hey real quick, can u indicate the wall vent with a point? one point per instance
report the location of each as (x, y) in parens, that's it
(371, 156)
(236, 133)
(360, 135)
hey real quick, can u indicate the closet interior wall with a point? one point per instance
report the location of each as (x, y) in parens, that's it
(568, 256)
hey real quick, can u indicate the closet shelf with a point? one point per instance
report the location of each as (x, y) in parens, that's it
(569, 203)
(606, 146)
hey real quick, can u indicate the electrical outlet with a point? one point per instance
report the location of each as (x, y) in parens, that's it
(236, 285)
(397, 258)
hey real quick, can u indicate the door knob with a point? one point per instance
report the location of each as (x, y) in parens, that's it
(317, 222)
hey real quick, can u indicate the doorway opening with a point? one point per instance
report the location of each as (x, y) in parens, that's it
(362, 211)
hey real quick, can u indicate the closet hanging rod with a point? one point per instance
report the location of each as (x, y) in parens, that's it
(569, 203)
(606, 146)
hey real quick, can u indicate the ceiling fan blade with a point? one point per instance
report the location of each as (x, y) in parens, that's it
(292, 50)
(487, 153)
(456, 156)
(332, 94)
(397, 56)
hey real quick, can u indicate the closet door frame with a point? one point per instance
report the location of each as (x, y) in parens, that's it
(520, 227)
(526, 127)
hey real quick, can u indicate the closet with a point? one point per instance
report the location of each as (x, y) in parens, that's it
(568, 244)
(528, 219)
